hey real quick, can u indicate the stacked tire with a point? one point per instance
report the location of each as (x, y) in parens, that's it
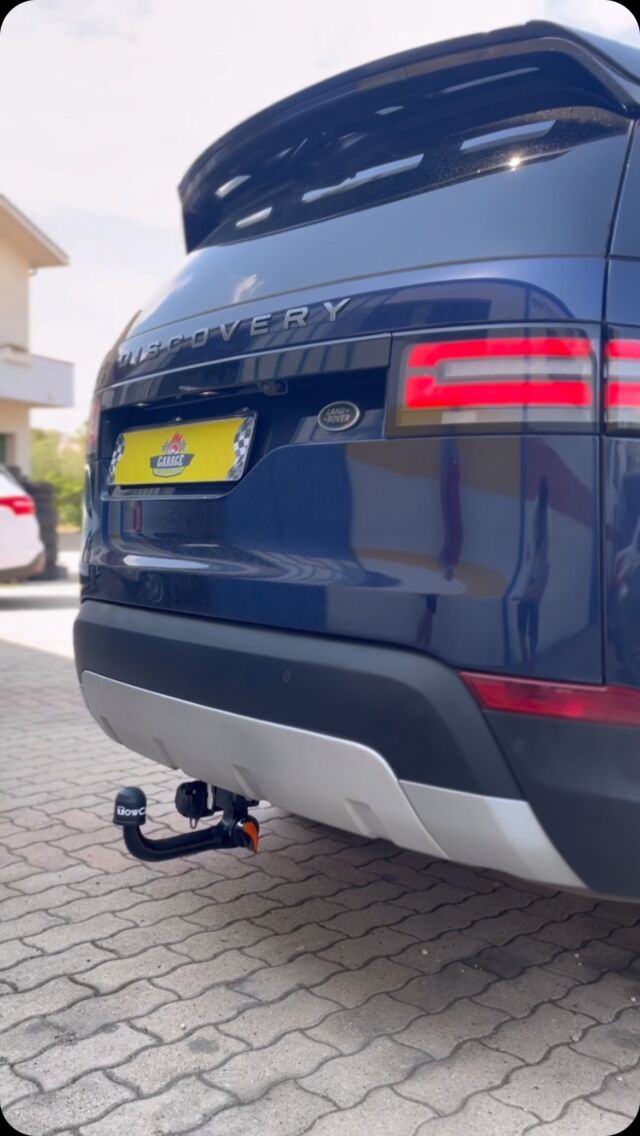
(44, 496)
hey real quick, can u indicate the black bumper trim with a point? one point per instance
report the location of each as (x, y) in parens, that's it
(582, 781)
(413, 710)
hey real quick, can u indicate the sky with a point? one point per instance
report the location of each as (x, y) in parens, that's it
(105, 103)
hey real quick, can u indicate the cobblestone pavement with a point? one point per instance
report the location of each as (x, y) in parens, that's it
(330, 985)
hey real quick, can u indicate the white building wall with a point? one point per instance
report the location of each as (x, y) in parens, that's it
(14, 297)
(14, 423)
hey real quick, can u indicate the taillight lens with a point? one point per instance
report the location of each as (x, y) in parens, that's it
(622, 389)
(507, 379)
(613, 705)
(21, 505)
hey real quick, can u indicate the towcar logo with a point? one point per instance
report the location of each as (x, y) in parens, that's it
(174, 459)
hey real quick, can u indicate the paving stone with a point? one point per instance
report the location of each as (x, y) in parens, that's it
(97, 1011)
(254, 1072)
(27, 1039)
(288, 919)
(353, 987)
(51, 996)
(482, 1115)
(132, 878)
(171, 1020)
(337, 868)
(475, 882)
(173, 931)
(46, 854)
(378, 891)
(382, 942)
(603, 999)
(117, 972)
(291, 894)
(272, 982)
(617, 1041)
(584, 1119)
(432, 896)
(504, 928)
(597, 958)
(65, 935)
(14, 952)
(349, 1030)
(158, 1065)
(14, 869)
(510, 959)
(177, 1109)
(623, 914)
(434, 992)
(285, 1110)
(432, 924)
(445, 1085)
(278, 949)
(64, 1063)
(381, 1111)
(86, 1099)
(86, 907)
(193, 978)
(530, 1038)
(575, 932)
(83, 819)
(12, 1087)
(219, 915)
(205, 945)
(79, 840)
(542, 1089)
(261, 1025)
(321, 918)
(19, 905)
(439, 1034)
(34, 971)
(620, 1093)
(24, 840)
(432, 956)
(519, 996)
(226, 891)
(346, 1080)
(43, 881)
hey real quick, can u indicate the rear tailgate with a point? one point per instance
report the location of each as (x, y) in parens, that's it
(427, 240)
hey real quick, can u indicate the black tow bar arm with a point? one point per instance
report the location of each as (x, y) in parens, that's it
(236, 828)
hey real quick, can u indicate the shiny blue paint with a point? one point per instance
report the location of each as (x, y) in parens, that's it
(504, 291)
(424, 542)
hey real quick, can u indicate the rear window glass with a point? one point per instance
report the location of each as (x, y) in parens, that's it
(410, 191)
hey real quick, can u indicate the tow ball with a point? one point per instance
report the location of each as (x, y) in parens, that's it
(235, 829)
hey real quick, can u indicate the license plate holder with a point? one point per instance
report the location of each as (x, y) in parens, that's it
(216, 450)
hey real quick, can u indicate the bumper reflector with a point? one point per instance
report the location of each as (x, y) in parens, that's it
(610, 705)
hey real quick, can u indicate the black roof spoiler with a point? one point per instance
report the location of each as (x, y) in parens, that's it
(616, 66)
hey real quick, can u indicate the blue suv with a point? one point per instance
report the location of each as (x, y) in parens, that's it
(363, 489)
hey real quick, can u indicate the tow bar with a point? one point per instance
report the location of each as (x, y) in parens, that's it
(194, 799)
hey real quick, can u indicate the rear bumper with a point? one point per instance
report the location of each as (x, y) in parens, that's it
(373, 739)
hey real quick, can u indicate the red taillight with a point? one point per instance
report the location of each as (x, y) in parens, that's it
(21, 505)
(622, 390)
(613, 705)
(511, 379)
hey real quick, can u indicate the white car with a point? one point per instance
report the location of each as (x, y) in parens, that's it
(21, 550)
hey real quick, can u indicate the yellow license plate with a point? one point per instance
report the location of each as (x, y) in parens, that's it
(216, 450)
